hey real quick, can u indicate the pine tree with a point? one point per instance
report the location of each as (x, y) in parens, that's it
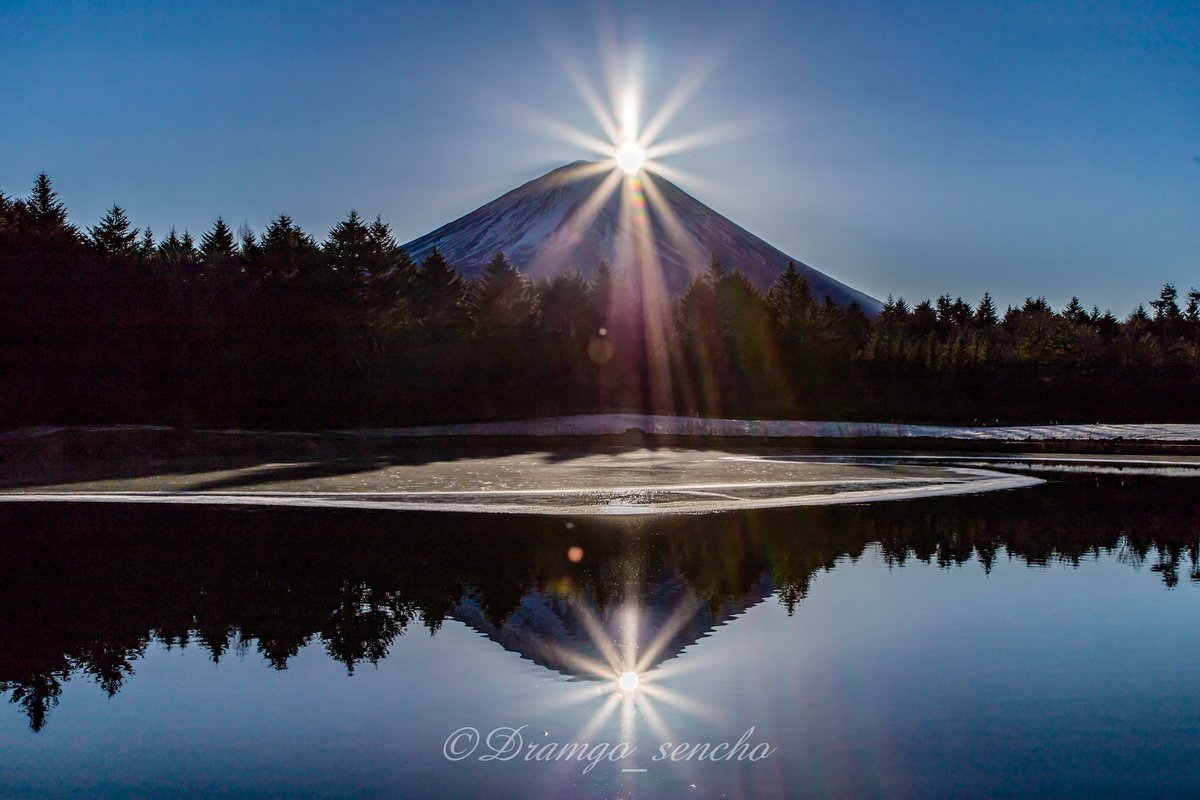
(44, 208)
(564, 305)
(391, 272)
(286, 251)
(1192, 313)
(178, 251)
(923, 319)
(961, 314)
(248, 250)
(502, 297)
(944, 306)
(190, 254)
(147, 247)
(348, 248)
(439, 290)
(114, 237)
(789, 298)
(1138, 317)
(1166, 307)
(985, 312)
(217, 247)
(1074, 312)
(7, 211)
(717, 271)
(600, 298)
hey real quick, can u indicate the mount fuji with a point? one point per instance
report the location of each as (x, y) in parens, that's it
(546, 226)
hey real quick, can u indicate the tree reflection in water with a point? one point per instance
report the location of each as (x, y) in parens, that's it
(87, 589)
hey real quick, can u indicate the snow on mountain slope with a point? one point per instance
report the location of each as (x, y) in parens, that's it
(536, 226)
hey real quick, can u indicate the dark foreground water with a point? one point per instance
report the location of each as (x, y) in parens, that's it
(1044, 641)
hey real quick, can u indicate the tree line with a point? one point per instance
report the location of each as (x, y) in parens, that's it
(113, 324)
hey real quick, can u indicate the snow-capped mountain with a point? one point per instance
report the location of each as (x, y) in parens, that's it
(541, 227)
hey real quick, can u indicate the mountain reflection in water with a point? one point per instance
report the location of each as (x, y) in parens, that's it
(87, 589)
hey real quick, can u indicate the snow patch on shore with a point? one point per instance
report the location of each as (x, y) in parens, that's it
(601, 501)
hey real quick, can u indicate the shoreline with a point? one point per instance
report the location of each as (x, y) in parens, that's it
(600, 431)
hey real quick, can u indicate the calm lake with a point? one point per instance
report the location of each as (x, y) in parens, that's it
(1041, 641)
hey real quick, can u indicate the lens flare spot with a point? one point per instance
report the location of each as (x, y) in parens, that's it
(600, 351)
(575, 554)
(628, 681)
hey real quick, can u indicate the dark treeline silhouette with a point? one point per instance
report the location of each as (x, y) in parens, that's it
(275, 330)
(86, 589)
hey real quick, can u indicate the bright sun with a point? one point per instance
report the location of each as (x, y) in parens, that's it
(630, 157)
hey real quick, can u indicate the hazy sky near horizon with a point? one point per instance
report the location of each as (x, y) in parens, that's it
(1027, 148)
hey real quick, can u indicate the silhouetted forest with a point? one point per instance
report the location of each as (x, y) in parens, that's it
(87, 589)
(113, 324)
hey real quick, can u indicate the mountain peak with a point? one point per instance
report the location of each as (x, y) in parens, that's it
(563, 220)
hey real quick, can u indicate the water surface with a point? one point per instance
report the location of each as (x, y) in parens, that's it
(1037, 641)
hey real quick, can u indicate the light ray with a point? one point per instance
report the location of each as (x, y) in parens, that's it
(591, 98)
(601, 639)
(630, 622)
(677, 175)
(597, 720)
(661, 694)
(654, 303)
(692, 80)
(695, 75)
(570, 231)
(611, 59)
(574, 695)
(671, 223)
(543, 123)
(679, 617)
(630, 108)
(582, 663)
(714, 134)
(653, 719)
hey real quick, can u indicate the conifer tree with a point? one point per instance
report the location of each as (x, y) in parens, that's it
(391, 272)
(717, 271)
(1192, 312)
(286, 251)
(190, 254)
(217, 247)
(348, 249)
(439, 290)
(502, 297)
(1074, 312)
(114, 237)
(8, 209)
(178, 251)
(248, 249)
(1166, 307)
(46, 211)
(147, 246)
(1138, 318)
(985, 312)
(789, 299)
(600, 297)
(564, 305)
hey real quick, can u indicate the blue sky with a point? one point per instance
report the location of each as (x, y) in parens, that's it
(1027, 148)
